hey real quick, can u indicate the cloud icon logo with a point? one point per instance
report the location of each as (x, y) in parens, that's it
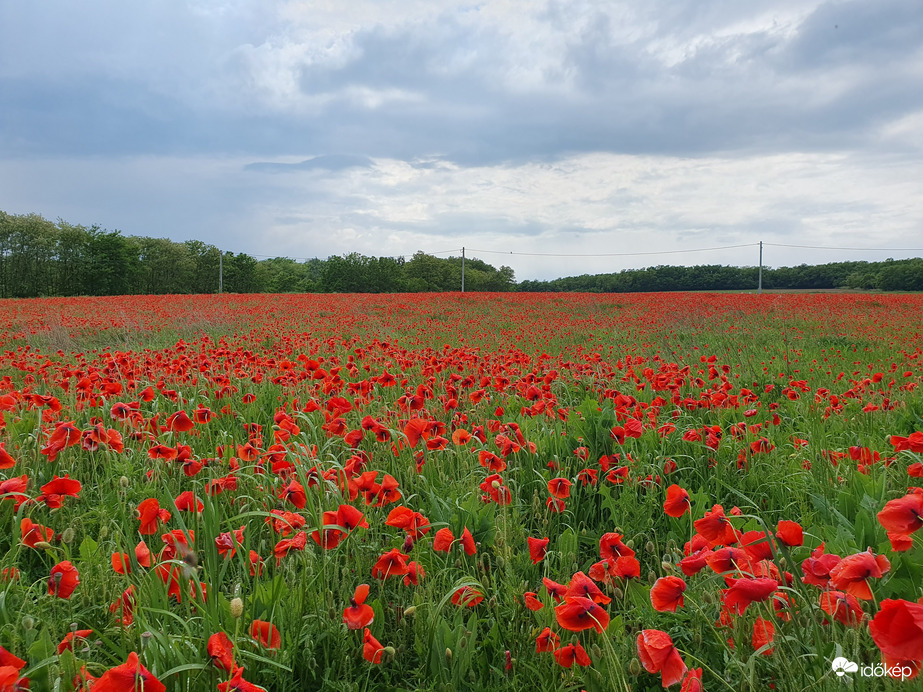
(841, 666)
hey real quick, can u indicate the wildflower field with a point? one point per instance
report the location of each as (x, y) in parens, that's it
(452, 492)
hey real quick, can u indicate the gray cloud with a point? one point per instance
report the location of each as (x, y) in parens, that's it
(571, 124)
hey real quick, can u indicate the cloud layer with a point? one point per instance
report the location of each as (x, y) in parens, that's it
(305, 128)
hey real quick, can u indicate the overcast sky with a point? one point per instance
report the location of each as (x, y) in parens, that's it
(303, 129)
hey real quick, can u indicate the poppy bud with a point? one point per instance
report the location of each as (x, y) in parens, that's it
(707, 597)
(123, 481)
(697, 638)
(666, 566)
(649, 547)
(448, 655)
(782, 561)
(68, 535)
(410, 611)
(389, 652)
(617, 593)
(492, 603)
(667, 557)
(651, 577)
(596, 651)
(42, 545)
(458, 564)
(495, 484)
(237, 607)
(27, 622)
(634, 668)
(630, 542)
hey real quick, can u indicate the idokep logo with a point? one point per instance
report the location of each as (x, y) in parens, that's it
(841, 666)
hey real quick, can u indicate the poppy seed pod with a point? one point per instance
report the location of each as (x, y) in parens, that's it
(237, 607)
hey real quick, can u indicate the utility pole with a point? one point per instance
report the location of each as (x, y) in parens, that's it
(759, 287)
(463, 269)
(220, 271)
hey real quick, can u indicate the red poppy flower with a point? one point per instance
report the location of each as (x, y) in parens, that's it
(728, 560)
(567, 655)
(546, 641)
(611, 547)
(852, 572)
(228, 542)
(266, 634)
(372, 650)
(897, 630)
(328, 538)
(692, 681)
(34, 533)
(67, 644)
(150, 515)
(294, 493)
(716, 528)
(443, 540)
(358, 615)
(557, 591)
(391, 564)
(415, 573)
(238, 684)
(180, 422)
(667, 594)
(6, 461)
(531, 601)
(578, 613)
(581, 585)
(538, 548)
(559, 488)
(467, 596)
(414, 523)
(57, 488)
(903, 515)
(816, 569)
(790, 533)
(913, 442)
(283, 547)
(764, 633)
(351, 518)
(677, 502)
(745, 591)
(625, 567)
(65, 435)
(63, 580)
(221, 651)
(122, 564)
(467, 541)
(658, 655)
(843, 607)
(131, 675)
(186, 501)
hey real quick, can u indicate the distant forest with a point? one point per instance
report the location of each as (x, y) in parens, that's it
(44, 258)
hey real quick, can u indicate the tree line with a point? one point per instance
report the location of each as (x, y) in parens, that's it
(44, 258)
(889, 275)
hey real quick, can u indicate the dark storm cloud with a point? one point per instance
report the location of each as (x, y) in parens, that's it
(447, 86)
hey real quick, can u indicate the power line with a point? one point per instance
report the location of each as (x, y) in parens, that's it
(858, 249)
(617, 254)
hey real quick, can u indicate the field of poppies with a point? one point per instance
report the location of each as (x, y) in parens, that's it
(452, 492)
